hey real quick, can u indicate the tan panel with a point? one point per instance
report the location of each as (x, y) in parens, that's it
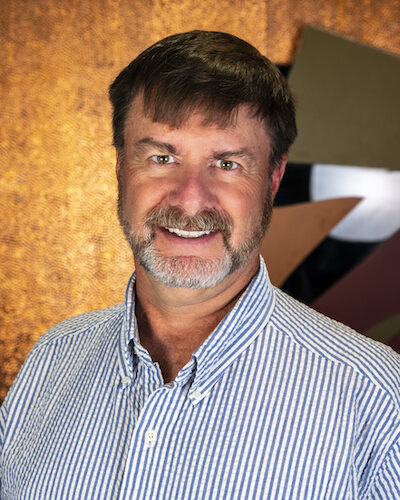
(348, 101)
(296, 230)
(61, 251)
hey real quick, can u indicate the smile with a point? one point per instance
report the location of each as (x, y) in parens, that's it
(187, 234)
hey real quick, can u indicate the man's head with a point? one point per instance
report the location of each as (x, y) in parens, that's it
(202, 123)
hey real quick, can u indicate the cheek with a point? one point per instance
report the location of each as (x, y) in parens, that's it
(140, 196)
(246, 208)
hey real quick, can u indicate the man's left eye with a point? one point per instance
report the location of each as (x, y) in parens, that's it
(227, 164)
(162, 159)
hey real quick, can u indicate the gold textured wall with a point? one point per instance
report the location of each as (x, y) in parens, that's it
(61, 251)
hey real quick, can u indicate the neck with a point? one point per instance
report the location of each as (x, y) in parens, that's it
(174, 322)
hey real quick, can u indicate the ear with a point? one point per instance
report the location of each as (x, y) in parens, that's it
(118, 162)
(277, 174)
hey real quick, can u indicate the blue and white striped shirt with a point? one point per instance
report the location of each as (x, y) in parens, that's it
(279, 402)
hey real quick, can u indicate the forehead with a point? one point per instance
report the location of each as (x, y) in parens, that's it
(240, 124)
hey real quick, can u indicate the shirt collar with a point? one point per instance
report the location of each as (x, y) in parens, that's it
(231, 337)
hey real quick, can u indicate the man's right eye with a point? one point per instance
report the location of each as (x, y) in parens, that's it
(162, 159)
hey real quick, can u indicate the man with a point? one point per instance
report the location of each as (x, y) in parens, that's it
(207, 383)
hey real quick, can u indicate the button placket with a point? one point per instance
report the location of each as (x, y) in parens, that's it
(154, 430)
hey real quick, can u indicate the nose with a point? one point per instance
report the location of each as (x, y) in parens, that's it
(192, 191)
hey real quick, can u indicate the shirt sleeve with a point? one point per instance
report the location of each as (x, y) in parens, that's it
(387, 482)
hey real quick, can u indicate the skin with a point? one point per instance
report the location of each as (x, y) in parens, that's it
(173, 322)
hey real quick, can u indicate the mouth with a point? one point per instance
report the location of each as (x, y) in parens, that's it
(182, 233)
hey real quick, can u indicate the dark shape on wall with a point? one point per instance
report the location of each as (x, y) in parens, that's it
(295, 185)
(369, 294)
(325, 266)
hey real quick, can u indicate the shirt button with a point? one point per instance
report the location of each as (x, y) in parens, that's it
(197, 395)
(125, 380)
(150, 437)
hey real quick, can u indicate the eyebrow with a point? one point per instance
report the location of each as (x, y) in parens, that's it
(240, 153)
(149, 141)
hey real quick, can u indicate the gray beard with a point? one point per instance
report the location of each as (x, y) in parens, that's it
(189, 271)
(185, 272)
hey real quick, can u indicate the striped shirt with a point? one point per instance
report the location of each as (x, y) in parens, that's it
(279, 402)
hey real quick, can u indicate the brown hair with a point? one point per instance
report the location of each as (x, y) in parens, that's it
(209, 71)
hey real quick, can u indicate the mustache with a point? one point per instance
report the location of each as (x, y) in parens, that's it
(206, 220)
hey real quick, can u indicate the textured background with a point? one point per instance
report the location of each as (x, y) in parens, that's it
(61, 250)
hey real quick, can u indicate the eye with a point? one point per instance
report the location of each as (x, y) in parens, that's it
(227, 164)
(162, 159)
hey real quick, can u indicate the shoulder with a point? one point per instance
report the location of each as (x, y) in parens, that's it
(326, 338)
(69, 343)
(85, 324)
(68, 346)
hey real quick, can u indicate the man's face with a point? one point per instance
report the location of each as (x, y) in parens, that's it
(195, 201)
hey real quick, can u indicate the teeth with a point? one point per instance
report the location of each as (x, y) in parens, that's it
(187, 234)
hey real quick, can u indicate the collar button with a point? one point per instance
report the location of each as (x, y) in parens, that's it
(197, 395)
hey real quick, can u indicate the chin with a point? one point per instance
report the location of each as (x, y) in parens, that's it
(185, 272)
